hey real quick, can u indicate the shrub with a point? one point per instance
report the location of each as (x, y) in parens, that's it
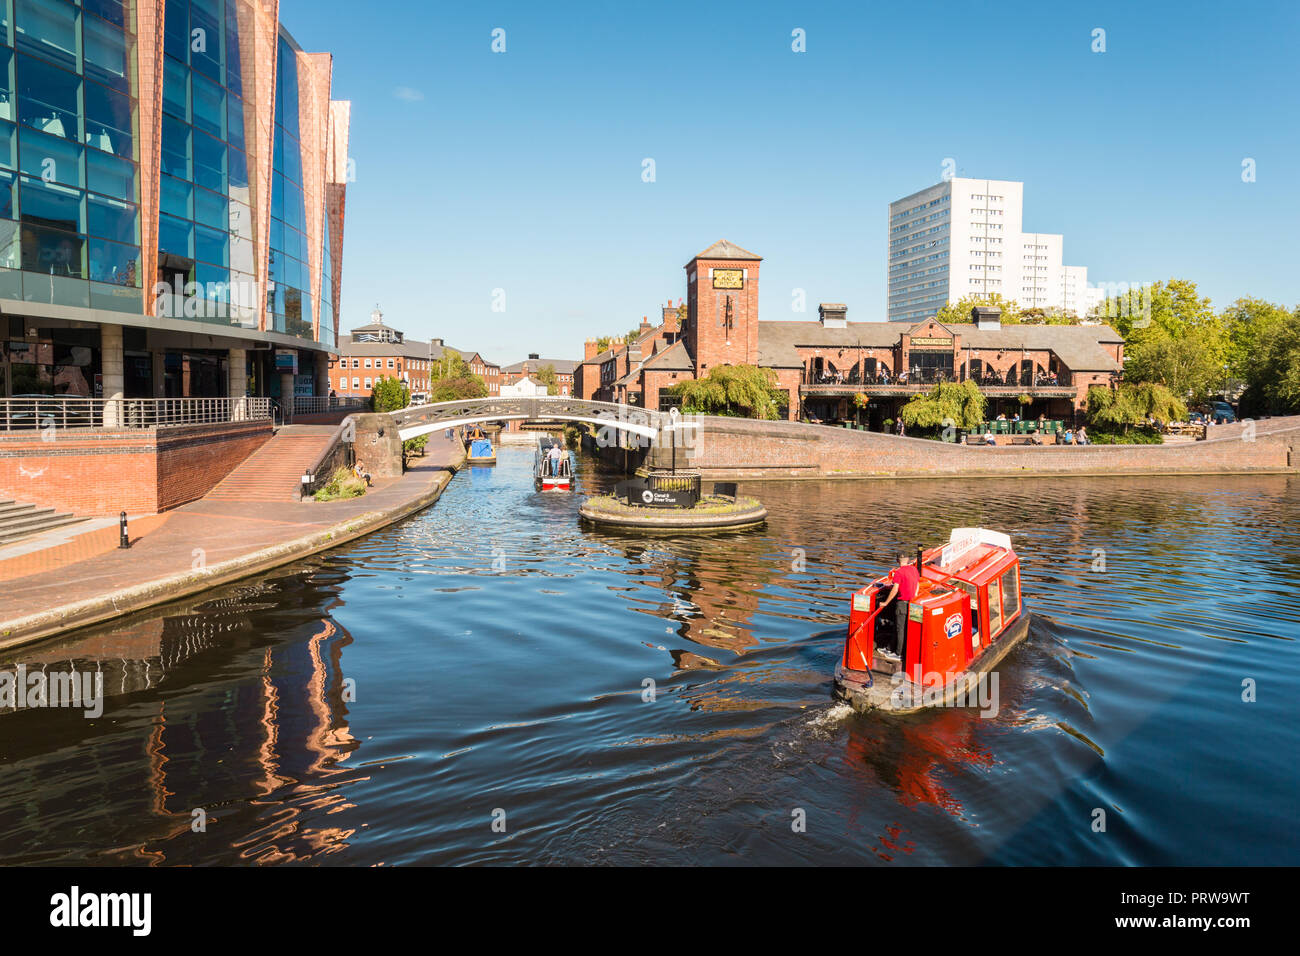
(1138, 436)
(414, 445)
(342, 484)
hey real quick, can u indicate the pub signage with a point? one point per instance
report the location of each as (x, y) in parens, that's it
(931, 342)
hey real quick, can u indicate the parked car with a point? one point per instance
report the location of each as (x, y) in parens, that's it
(1222, 413)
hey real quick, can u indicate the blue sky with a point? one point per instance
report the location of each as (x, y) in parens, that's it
(522, 170)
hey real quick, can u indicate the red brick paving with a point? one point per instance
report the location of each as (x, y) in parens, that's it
(274, 471)
(202, 533)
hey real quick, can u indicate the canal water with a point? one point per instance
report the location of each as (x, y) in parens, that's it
(490, 682)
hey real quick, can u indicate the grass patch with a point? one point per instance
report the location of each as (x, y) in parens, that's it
(342, 484)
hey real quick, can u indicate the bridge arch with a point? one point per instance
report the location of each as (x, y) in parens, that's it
(423, 419)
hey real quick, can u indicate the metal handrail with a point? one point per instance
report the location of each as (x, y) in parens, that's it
(75, 411)
(674, 481)
(317, 404)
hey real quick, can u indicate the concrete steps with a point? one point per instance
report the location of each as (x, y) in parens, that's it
(19, 520)
(274, 471)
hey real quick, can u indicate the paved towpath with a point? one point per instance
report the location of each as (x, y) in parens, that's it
(87, 578)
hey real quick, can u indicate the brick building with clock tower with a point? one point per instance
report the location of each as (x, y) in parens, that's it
(722, 307)
(822, 366)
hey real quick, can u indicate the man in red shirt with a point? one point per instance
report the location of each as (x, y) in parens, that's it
(905, 580)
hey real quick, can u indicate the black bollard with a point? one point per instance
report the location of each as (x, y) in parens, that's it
(124, 541)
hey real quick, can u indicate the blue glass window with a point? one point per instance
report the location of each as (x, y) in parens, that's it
(235, 121)
(175, 147)
(209, 162)
(107, 53)
(51, 158)
(110, 175)
(210, 209)
(292, 158)
(209, 105)
(114, 263)
(111, 219)
(174, 197)
(7, 142)
(6, 91)
(205, 42)
(108, 121)
(234, 80)
(47, 98)
(50, 204)
(176, 30)
(210, 245)
(47, 28)
(111, 10)
(175, 236)
(238, 170)
(6, 195)
(214, 280)
(176, 89)
(52, 251)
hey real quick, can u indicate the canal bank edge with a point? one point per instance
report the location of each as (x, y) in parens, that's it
(734, 448)
(105, 607)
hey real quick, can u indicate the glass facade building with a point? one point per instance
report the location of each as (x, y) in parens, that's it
(172, 176)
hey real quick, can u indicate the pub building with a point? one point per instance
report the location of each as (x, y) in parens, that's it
(822, 365)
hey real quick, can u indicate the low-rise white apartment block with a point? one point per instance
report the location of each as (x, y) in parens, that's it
(964, 237)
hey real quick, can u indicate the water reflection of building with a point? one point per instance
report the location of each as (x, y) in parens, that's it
(712, 591)
(248, 727)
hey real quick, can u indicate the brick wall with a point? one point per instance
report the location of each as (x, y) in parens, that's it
(738, 448)
(141, 471)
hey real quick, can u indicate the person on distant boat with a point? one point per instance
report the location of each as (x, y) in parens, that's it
(905, 579)
(554, 456)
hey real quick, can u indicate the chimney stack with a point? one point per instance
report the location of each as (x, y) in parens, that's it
(834, 315)
(670, 317)
(589, 350)
(986, 318)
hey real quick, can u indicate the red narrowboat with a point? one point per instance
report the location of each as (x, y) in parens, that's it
(965, 617)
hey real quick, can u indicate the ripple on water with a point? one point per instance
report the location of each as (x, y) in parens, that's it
(624, 699)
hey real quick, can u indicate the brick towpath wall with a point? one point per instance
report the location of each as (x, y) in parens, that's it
(103, 471)
(742, 448)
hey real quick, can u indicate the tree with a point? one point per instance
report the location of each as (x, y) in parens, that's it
(1181, 344)
(1121, 408)
(948, 404)
(741, 391)
(450, 379)
(389, 395)
(1264, 353)
(960, 310)
(458, 388)
(546, 375)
